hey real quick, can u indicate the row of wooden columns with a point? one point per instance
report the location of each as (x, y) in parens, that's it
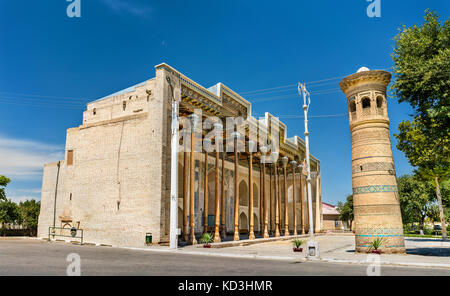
(265, 210)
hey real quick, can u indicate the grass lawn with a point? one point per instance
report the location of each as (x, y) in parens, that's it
(425, 235)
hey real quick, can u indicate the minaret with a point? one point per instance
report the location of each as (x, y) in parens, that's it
(375, 195)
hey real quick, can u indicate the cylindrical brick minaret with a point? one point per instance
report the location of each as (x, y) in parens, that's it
(375, 196)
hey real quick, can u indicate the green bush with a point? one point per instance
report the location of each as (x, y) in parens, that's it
(376, 243)
(298, 242)
(428, 231)
(206, 238)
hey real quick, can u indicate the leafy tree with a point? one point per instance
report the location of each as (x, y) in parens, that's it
(422, 69)
(9, 213)
(422, 78)
(3, 182)
(29, 212)
(346, 210)
(416, 196)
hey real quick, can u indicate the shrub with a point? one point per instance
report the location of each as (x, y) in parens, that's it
(206, 238)
(376, 243)
(298, 242)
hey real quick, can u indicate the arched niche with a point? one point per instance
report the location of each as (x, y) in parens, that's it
(243, 194)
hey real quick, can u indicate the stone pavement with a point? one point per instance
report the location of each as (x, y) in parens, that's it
(423, 252)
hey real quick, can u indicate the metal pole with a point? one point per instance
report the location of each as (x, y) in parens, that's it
(302, 89)
(174, 175)
(56, 195)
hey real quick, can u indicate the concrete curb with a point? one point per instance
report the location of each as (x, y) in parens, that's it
(247, 242)
(299, 259)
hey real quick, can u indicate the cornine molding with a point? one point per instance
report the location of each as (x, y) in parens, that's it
(374, 189)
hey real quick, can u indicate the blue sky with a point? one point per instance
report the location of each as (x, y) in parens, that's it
(51, 65)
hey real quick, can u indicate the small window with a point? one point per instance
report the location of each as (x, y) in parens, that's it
(94, 111)
(70, 196)
(379, 102)
(365, 103)
(124, 105)
(352, 106)
(70, 157)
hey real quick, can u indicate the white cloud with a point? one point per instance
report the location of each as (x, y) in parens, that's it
(25, 159)
(127, 7)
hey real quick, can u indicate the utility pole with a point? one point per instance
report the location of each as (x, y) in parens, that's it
(302, 91)
(174, 173)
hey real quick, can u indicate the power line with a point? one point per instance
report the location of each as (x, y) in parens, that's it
(271, 88)
(41, 96)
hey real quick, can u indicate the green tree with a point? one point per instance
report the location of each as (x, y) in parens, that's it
(3, 182)
(422, 69)
(346, 210)
(29, 212)
(416, 196)
(9, 213)
(422, 78)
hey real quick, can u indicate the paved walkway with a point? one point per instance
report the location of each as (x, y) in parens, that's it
(423, 252)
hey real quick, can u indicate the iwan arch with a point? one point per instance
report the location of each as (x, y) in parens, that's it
(114, 182)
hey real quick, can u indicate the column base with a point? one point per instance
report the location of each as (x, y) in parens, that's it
(286, 231)
(236, 234)
(251, 235)
(277, 232)
(192, 241)
(217, 237)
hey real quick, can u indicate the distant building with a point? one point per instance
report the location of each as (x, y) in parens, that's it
(331, 219)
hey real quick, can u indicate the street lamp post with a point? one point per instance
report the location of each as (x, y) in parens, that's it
(302, 90)
(173, 234)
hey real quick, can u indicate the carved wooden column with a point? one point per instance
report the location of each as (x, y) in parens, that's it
(205, 195)
(236, 187)
(192, 239)
(185, 197)
(264, 216)
(302, 204)
(280, 209)
(217, 193)
(277, 204)
(251, 233)
(270, 200)
(307, 208)
(318, 203)
(286, 200)
(294, 202)
(222, 196)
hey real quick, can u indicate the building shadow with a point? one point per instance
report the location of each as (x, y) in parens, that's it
(439, 252)
(425, 240)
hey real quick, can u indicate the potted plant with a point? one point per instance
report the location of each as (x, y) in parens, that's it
(297, 245)
(375, 245)
(206, 239)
